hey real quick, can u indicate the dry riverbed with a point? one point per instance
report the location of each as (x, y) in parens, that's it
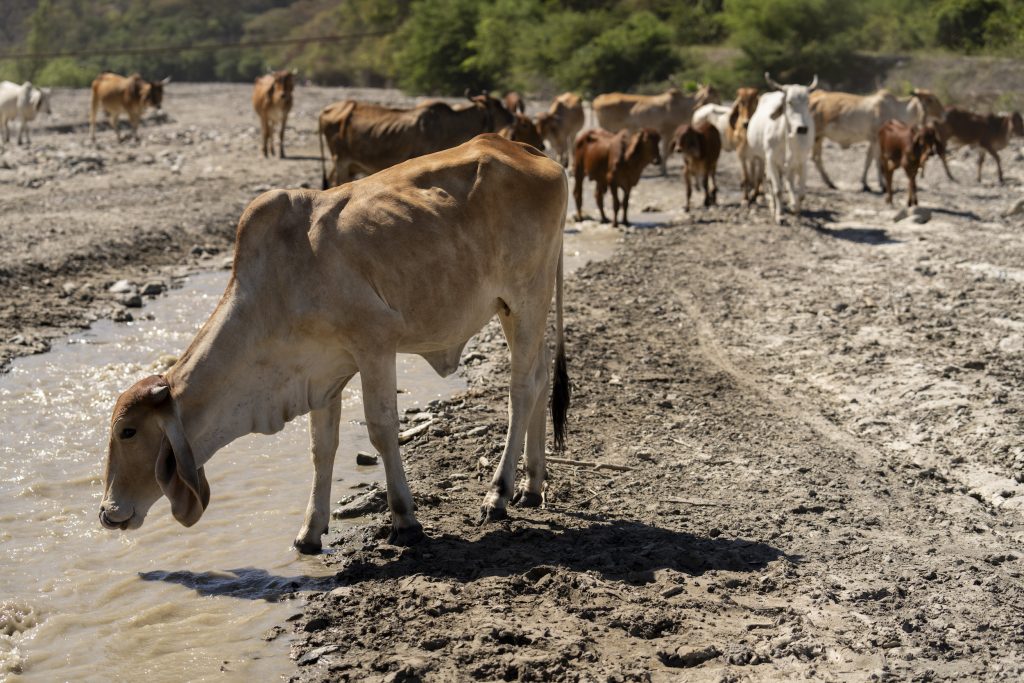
(807, 438)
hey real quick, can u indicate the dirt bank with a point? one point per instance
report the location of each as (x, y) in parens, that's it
(820, 428)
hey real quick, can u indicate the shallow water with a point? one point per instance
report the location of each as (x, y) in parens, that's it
(162, 603)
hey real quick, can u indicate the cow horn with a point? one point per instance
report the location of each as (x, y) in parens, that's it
(773, 84)
(814, 83)
(165, 81)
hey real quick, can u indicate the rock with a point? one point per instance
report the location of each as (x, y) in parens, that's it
(122, 316)
(369, 502)
(121, 287)
(316, 624)
(69, 288)
(153, 288)
(1015, 210)
(477, 431)
(686, 656)
(131, 300)
(314, 655)
(1013, 343)
(366, 459)
(915, 214)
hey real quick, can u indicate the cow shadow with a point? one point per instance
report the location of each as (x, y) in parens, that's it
(866, 235)
(617, 550)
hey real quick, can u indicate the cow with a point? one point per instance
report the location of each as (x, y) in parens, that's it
(732, 123)
(613, 160)
(906, 147)
(414, 259)
(990, 133)
(847, 119)
(514, 102)
(781, 134)
(272, 100)
(700, 144)
(523, 130)
(22, 103)
(560, 125)
(366, 138)
(663, 113)
(124, 95)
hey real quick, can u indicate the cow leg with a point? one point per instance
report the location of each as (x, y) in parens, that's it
(113, 118)
(380, 392)
(706, 183)
(999, 164)
(615, 205)
(577, 193)
(689, 189)
(868, 158)
(945, 167)
(323, 442)
(774, 187)
(713, 171)
(666, 144)
(524, 332)
(912, 186)
(888, 171)
(599, 191)
(264, 134)
(801, 186)
(280, 141)
(23, 130)
(530, 494)
(789, 182)
(136, 120)
(816, 155)
(625, 205)
(981, 162)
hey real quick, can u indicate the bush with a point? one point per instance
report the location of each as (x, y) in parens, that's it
(434, 54)
(636, 51)
(65, 71)
(961, 24)
(793, 39)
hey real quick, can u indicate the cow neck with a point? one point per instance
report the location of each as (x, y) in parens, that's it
(240, 376)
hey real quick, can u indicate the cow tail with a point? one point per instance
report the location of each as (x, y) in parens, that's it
(560, 389)
(323, 162)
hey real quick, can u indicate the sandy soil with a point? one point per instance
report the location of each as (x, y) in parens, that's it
(815, 428)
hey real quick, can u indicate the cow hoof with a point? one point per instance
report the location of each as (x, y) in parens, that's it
(489, 513)
(527, 499)
(308, 547)
(410, 535)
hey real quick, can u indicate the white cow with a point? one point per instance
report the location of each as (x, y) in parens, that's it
(21, 102)
(718, 116)
(413, 259)
(781, 135)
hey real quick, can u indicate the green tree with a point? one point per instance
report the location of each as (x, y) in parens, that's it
(434, 54)
(793, 39)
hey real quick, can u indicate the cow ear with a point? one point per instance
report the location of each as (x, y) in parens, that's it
(181, 481)
(779, 109)
(734, 115)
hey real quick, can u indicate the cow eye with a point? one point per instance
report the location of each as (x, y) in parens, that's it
(127, 433)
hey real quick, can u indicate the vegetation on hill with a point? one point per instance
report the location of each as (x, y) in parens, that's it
(446, 46)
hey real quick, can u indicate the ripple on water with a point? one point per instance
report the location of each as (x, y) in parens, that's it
(16, 618)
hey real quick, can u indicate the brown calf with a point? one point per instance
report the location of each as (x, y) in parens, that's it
(613, 160)
(118, 95)
(272, 100)
(989, 132)
(700, 146)
(523, 130)
(907, 147)
(739, 118)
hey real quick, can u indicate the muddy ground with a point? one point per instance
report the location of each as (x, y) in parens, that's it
(807, 438)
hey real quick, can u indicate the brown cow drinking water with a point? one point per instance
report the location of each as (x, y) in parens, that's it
(613, 160)
(272, 100)
(700, 145)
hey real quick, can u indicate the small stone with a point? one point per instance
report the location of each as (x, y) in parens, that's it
(121, 287)
(153, 288)
(122, 316)
(477, 431)
(369, 502)
(366, 459)
(686, 657)
(131, 300)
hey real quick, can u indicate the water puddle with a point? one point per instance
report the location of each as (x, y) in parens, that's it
(163, 603)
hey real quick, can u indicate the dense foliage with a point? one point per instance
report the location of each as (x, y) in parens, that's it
(446, 46)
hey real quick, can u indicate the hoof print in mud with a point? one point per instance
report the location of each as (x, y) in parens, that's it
(527, 499)
(406, 537)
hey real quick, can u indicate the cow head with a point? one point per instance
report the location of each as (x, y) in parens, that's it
(496, 116)
(743, 108)
(686, 141)
(148, 456)
(706, 94)
(927, 141)
(1016, 124)
(524, 130)
(284, 84)
(153, 92)
(41, 100)
(795, 105)
(930, 105)
(644, 145)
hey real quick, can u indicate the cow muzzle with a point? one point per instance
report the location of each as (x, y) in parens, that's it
(801, 130)
(112, 522)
